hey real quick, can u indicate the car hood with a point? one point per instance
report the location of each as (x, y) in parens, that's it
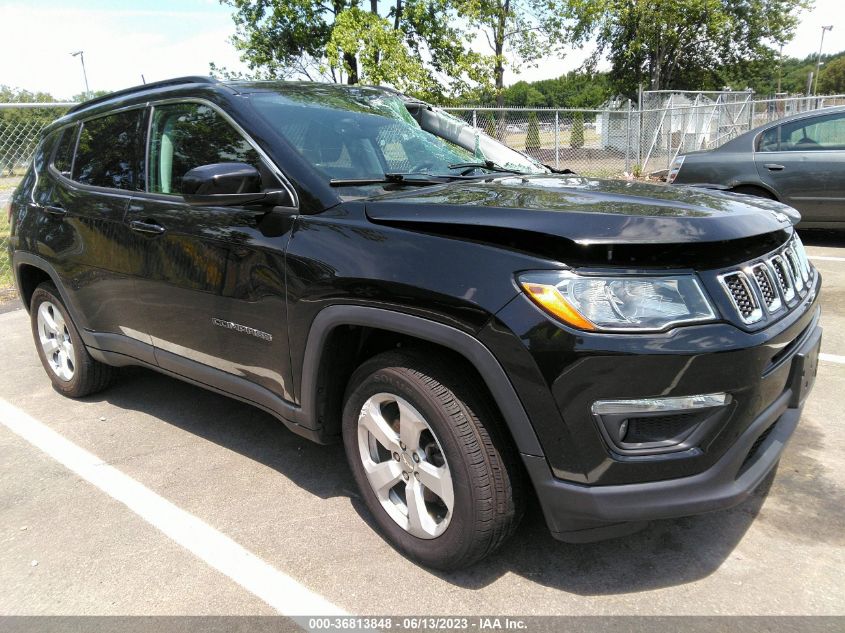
(586, 210)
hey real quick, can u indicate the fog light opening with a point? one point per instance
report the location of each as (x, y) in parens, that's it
(658, 425)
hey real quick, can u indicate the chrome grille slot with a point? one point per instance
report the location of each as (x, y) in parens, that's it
(783, 277)
(794, 269)
(803, 261)
(742, 296)
(766, 285)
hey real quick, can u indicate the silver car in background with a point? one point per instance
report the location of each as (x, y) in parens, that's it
(798, 160)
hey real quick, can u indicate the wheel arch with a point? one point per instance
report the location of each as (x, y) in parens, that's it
(754, 185)
(321, 387)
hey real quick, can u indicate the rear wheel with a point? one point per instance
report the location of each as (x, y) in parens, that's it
(63, 354)
(428, 455)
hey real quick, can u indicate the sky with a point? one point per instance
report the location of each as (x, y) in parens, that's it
(168, 38)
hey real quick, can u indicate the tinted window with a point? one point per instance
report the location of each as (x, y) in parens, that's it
(816, 133)
(110, 151)
(768, 141)
(63, 158)
(188, 135)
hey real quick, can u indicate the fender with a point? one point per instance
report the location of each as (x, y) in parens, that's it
(470, 348)
(20, 258)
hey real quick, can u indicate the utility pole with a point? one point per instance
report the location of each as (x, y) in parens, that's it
(780, 68)
(819, 60)
(84, 74)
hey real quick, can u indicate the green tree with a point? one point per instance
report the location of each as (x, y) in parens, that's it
(832, 77)
(517, 32)
(417, 45)
(532, 139)
(576, 136)
(681, 44)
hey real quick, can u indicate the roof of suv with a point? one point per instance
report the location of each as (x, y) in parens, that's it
(301, 87)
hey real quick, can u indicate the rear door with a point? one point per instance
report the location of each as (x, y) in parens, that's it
(213, 279)
(804, 161)
(96, 166)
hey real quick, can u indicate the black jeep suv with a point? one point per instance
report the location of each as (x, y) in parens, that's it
(472, 325)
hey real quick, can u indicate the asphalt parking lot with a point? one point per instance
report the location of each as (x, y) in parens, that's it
(181, 501)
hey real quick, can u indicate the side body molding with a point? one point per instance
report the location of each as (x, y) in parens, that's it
(473, 350)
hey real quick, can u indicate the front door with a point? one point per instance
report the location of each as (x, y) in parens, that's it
(213, 283)
(804, 161)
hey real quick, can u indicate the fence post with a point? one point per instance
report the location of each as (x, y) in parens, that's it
(557, 139)
(640, 126)
(474, 119)
(628, 140)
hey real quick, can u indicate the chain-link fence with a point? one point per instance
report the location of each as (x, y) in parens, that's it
(20, 127)
(621, 138)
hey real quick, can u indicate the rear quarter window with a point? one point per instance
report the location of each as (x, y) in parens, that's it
(63, 156)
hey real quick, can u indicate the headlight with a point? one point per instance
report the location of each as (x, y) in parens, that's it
(674, 168)
(619, 303)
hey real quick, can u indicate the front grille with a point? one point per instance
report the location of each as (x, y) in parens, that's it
(787, 288)
(742, 296)
(765, 282)
(764, 287)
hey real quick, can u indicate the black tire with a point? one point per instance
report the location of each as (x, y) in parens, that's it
(486, 474)
(751, 190)
(89, 376)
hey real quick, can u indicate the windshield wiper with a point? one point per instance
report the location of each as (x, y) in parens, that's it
(487, 164)
(393, 179)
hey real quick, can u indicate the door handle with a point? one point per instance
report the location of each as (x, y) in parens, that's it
(773, 167)
(149, 228)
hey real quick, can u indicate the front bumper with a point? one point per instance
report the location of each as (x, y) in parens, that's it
(576, 512)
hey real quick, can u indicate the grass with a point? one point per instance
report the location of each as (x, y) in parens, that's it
(8, 183)
(6, 281)
(547, 139)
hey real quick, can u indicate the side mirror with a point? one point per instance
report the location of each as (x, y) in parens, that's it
(227, 184)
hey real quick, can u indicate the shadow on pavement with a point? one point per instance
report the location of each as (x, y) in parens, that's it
(823, 237)
(667, 553)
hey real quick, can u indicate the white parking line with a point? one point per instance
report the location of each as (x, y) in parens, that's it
(264, 581)
(832, 358)
(825, 258)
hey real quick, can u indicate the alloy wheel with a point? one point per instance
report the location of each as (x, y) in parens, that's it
(54, 336)
(405, 465)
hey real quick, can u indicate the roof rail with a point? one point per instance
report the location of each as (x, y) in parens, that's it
(177, 81)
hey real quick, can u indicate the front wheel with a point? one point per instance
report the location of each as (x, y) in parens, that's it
(429, 456)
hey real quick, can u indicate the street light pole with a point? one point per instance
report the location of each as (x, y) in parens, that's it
(819, 60)
(81, 56)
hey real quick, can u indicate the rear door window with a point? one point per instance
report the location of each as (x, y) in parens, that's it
(768, 140)
(814, 134)
(110, 151)
(188, 135)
